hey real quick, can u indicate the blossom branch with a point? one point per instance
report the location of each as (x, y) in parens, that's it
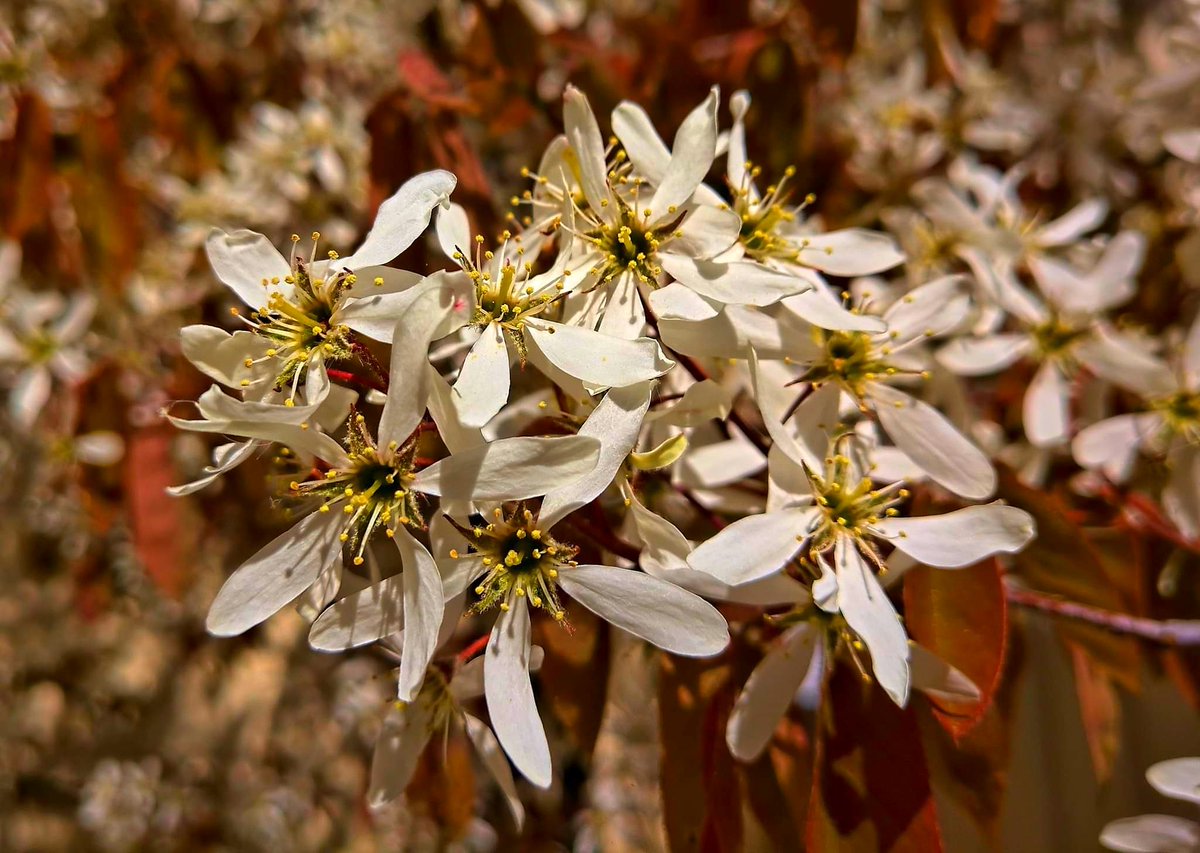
(1171, 632)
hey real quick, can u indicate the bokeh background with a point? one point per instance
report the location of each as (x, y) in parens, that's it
(128, 128)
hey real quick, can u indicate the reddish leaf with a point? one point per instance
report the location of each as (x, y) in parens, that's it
(1099, 709)
(155, 518)
(778, 784)
(962, 616)
(572, 680)
(871, 788)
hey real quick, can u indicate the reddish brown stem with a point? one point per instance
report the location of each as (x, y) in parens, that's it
(477, 645)
(354, 381)
(1143, 515)
(752, 435)
(1171, 632)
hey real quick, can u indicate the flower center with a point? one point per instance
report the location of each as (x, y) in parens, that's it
(1182, 414)
(848, 507)
(1055, 337)
(627, 245)
(522, 560)
(850, 359)
(372, 491)
(762, 216)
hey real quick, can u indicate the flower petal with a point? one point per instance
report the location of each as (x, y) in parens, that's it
(360, 618)
(981, 356)
(932, 443)
(960, 538)
(692, 156)
(1177, 778)
(510, 469)
(1047, 407)
(423, 608)
(1112, 444)
(869, 613)
(401, 218)
(934, 677)
(647, 151)
(453, 230)
(737, 283)
(509, 695)
(584, 135)
(1152, 833)
(483, 381)
(598, 360)
(818, 307)
(489, 752)
(402, 739)
(850, 252)
(754, 546)
(769, 692)
(243, 260)
(654, 610)
(408, 392)
(1079, 220)
(615, 423)
(274, 576)
(928, 311)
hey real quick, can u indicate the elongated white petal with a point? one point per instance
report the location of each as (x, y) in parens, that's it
(753, 547)
(928, 311)
(510, 469)
(705, 233)
(489, 752)
(598, 360)
(691, 157)
(1184, 143)
(360, 618)
(931, 442)
(453, 230)
(274, 576)
(1112, 444)
(380, 315)
(701, 402)
(960, 538)
(769, 691)
(1079, 220)
(482, 386)
(29, 395)
(738, 283)
(584, 135)
(222, 356)
(934, 677)
(423, 607)
(659, 612)
(509, 695)
(401, 741)
(1178, 778)
(401, 218)
(226, 457)
(774, 400)
(646, 149)
(851, 252)
(624, 315)
(408, 392)
(1152, 833)
(819, 307)
(1125, 361)
(615, 423)
(243, 260)
(870, 614)
(988, 354)
(1047, 407)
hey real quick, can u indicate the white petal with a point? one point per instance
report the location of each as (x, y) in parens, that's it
(584, 135)
(509, 695)
(401, 741)
(1152, 833)
(692, 156)
(482, 386)
(705, 233)
(453, 230)
(769, 691)
(624, 315)
(615, 423)
(226, 457)
(597, 360)
(774, 401)
(701, 402)
(274, 576)
(851, 252)
(510, 469)
(1047, 407)
(928, 311)
(1178, 778)
(648, 153)
(29, 395)
(870, 614)
(454, 434)
(819, 307)
(423, 608)
(1183, 143)
(754, 546)
(659, 612)
(376, 315)
(489, 752)
(1124, 361)
(1112, 444)
(408, 392)
(1073, 224)
(934, 677)
(360, 618)
(739, 283)
(930, 441)
(401, 218)
(960, 538)
(242, 260)
(981, 356)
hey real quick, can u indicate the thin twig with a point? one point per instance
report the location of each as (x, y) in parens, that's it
(1170, 632)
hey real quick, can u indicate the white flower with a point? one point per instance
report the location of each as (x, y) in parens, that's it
(513, 564)
(866, 367)
(1178, 779)
(1062, 333)
(830, 532)
(304, 310)
(509, 301)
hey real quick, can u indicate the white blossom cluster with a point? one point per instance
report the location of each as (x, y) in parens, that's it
(637, 327)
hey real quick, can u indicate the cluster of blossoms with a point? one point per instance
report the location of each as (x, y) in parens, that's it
(629, 303)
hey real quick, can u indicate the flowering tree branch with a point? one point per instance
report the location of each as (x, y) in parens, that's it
(1171, 632)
